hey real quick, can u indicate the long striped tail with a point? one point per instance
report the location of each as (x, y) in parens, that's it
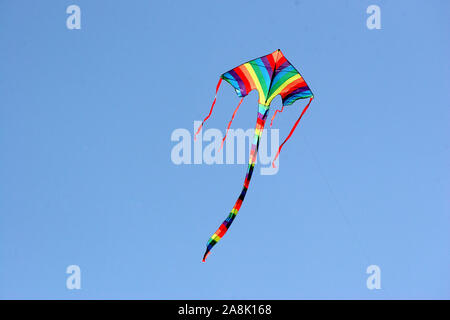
(262, 116)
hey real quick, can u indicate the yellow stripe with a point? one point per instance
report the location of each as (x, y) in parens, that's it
(255, 79)
(284, 85)
(215, 237)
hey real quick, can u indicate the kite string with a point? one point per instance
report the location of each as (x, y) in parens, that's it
(229, 124)
(292, 131)
(356, 235)
(210, 111)
(276, 111)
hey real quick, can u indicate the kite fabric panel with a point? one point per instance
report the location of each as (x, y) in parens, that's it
(270, 75)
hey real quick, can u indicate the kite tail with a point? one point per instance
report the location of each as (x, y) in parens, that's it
(262, 116)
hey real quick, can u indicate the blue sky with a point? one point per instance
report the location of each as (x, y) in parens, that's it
(86, 176)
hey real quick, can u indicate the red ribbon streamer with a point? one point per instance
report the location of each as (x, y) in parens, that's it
(271, 121)
(290, 133)
(210, 111)
(229, 124)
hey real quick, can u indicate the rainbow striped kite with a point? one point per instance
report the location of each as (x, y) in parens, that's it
(270, 75)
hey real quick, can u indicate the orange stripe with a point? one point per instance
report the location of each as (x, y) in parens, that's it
(241, 72)
(249, 77)
(298, 82)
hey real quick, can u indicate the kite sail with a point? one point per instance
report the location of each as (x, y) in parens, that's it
(270, 75)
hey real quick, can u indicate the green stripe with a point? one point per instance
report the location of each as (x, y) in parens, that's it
(264, 85)
(280, 82)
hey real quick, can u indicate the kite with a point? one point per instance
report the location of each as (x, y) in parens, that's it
(270, 75)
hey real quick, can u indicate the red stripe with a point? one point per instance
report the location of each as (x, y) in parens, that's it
(238, 204)
(221, 231)
(246, 182)
(281, 60)
(271, 61)
(248, 77)
(260, 122)
(244, 79)
(298, 83)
